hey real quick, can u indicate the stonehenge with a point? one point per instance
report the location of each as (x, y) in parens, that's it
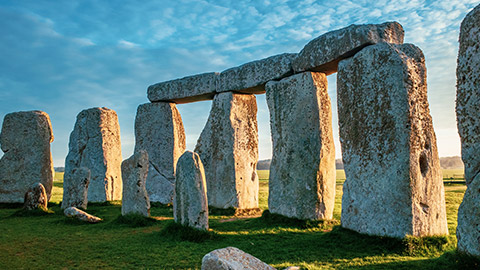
(468, 122)
(95, 144)
(190, 207)
(394, 184)
(36, 198)
(75, 188)
(134, 175)
(302, 172)
(228, 148)
(159, 131)
(25, 140)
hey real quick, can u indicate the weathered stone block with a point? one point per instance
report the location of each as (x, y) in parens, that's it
(25, 140)
(228, 147)
(393, 181)
(251, 77)
(468, 121)
(75, 188)
(302, 172)
(323, 53)
(134, 174)
(159, 130)
(190, 207)
(95, 144)
(35, 197)
(73, 212)
(185, 90)
(232, 258)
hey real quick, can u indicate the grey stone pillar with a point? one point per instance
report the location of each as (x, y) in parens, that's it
(228, 147)
(302, 172)
(394, 183)
(159, 131)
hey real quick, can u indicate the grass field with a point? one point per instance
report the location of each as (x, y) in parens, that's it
(55, 242)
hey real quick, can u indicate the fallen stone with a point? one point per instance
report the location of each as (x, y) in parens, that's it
(251, 77)
(75, 188)
(323, 53)
(185, 90)
(95, 144)
(73, 212)
(393, 181)
(36, 197)
(232, 258)
(190, 207)
(468, 122)
(228, 147)
(134, 174)
(159, 130)
(302, 172)
(25, 140)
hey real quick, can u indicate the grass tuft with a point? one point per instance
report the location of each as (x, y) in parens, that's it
(134, 220)
(176, 231)
(276, 219)
(426, 246)
(33, 213)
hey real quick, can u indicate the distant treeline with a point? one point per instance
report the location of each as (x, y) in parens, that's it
(445, 162)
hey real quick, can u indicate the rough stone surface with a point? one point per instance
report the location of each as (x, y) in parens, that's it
(190, 207)
(73, 212)
(323, 53)
(232, 258)
(468, 121)
(228, 147)
(159, 130)
(75, 188)
(36, 197)
(25, 140)
(188, 89)
(393, 181)
(134, 175)
(251, 77)
(95, 144)
(302, 172)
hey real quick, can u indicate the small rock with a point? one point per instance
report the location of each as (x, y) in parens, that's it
(134, 174)
(190, 206)
(75, 188)
(74, 212)
(36, 197)
(232, 258)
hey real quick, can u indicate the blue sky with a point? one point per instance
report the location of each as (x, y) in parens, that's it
(65, 56)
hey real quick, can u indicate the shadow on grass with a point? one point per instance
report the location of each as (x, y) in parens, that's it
(176, 231)
(133, 220)
(33, 213)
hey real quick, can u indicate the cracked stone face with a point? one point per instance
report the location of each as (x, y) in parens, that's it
(190, 207)
(228, 147)
(75, 188)
(25, 140)
(302, 172)
(159, 131)
(95, 144)
(393, 181)
(134, 174)
(468, 122)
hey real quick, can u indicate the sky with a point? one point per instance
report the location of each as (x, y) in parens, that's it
(65, 56)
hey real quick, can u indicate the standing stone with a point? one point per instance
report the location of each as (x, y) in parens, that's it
(302, 172)
(95, 144)
(393, 181)
(228, 147)
(134, 174)
(25, 140)
(75, 188)
(190, 207)
(323, 53)
(232, 258)
(159, 131)
(36, 197)
(468, 121)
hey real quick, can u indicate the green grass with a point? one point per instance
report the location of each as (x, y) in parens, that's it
(51, 241)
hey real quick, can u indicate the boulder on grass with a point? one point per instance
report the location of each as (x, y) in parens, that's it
(134, 174)
(75, 188)
(36, 197)
(73, 212)
(232, 258)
